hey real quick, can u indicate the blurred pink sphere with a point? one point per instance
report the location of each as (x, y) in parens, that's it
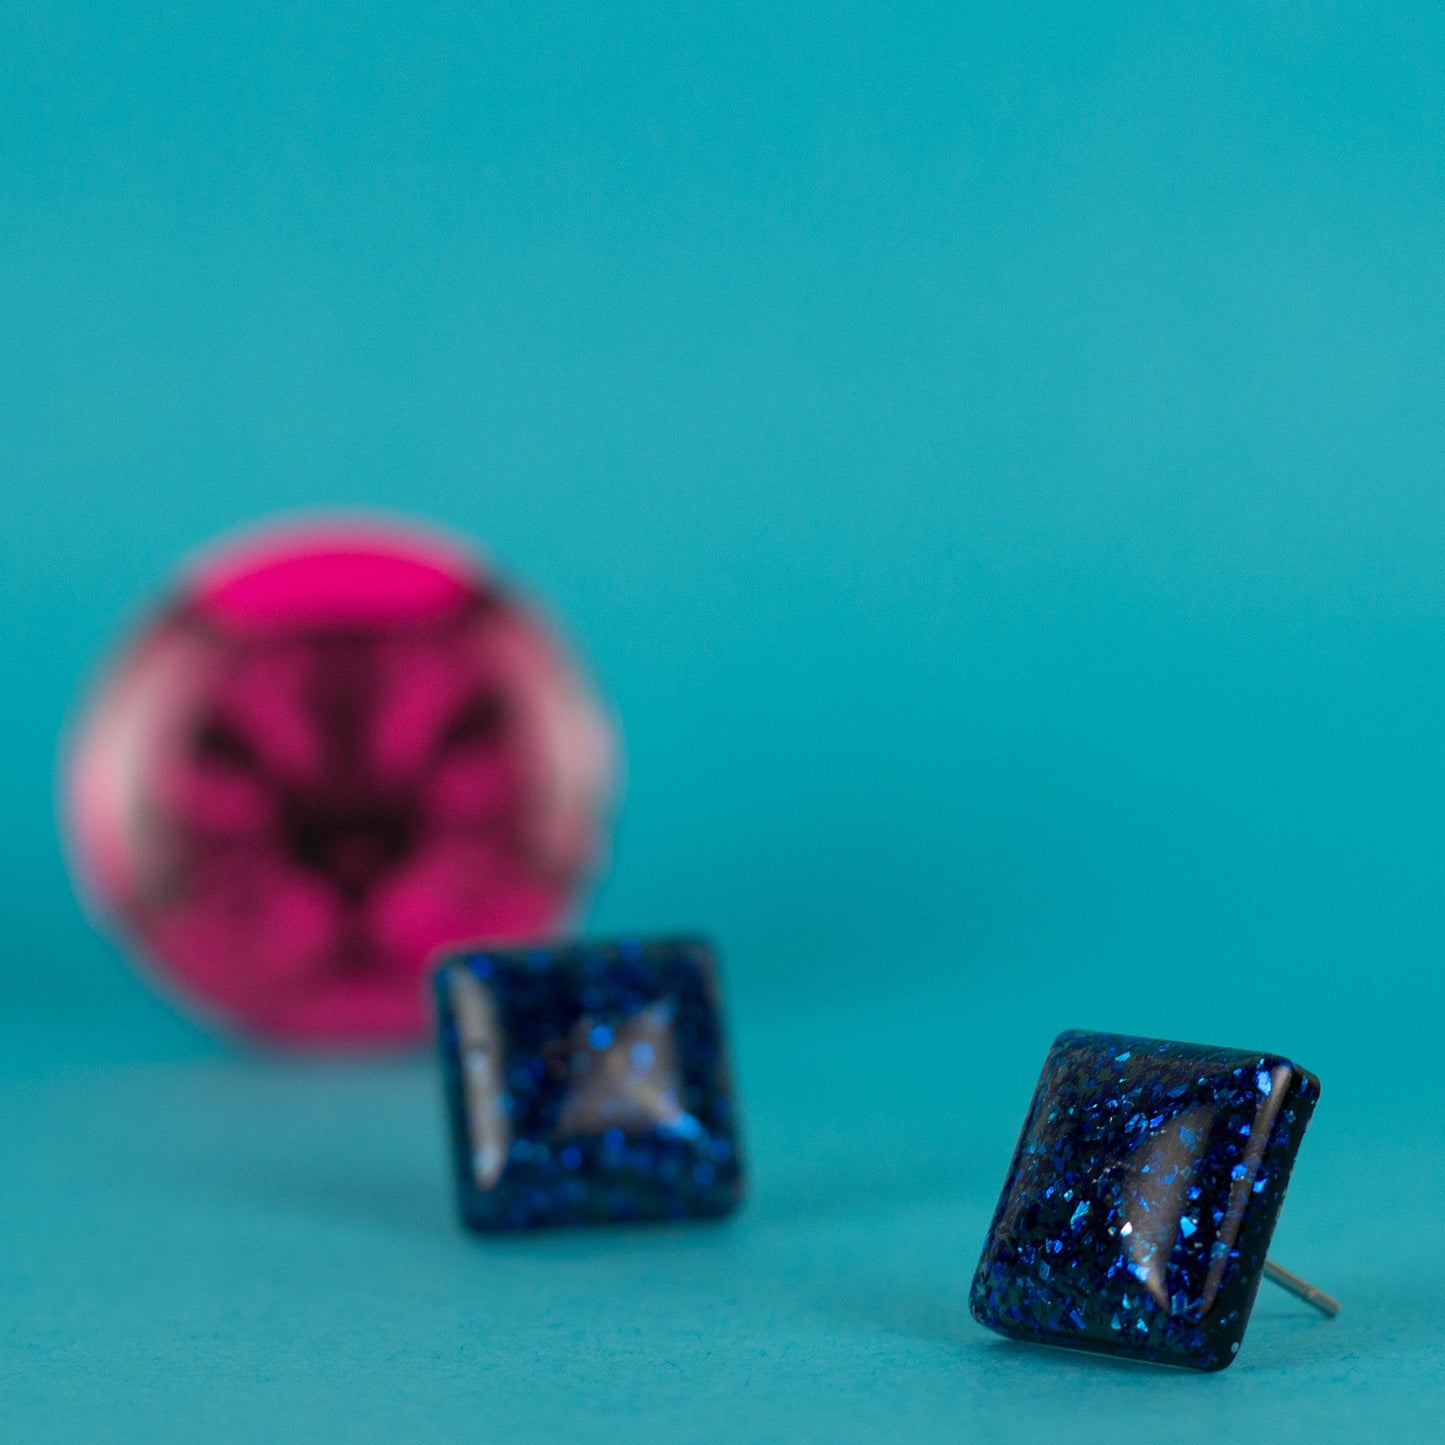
(337, 748)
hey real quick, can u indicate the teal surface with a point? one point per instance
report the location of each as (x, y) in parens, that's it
(991, 458)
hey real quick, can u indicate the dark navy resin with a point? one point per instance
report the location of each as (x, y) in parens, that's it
(1142, 1197)
(588, 1083)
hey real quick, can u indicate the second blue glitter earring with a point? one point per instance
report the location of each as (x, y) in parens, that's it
(1141, 1200)
(588, 1083)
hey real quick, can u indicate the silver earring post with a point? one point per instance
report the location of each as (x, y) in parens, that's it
(1326, 1304)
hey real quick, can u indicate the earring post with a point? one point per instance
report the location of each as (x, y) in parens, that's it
(1326, 1304)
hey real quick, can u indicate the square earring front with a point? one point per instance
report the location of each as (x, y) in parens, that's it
(588, 1083)
(1141, 1199)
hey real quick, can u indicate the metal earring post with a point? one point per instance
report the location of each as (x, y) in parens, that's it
(1326, 1304)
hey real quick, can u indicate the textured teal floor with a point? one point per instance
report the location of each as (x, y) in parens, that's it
(205, 1246)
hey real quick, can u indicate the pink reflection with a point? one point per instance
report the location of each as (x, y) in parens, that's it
(336, 750)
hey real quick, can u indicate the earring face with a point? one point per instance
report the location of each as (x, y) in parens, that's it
(1141, 1199)
(588, 1083)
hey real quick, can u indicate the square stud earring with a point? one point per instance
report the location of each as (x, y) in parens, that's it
(587, 1083)
(1141, 1200)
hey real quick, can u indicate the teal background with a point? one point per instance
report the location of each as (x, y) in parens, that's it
(991, 458)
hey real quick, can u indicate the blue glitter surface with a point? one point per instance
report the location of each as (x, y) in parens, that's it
(1142, 1197)
(588, 1083)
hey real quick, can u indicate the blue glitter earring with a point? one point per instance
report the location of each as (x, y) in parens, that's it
(1141, 1200)
(588, 1083)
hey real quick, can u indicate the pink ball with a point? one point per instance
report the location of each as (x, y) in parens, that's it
(339, 747)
